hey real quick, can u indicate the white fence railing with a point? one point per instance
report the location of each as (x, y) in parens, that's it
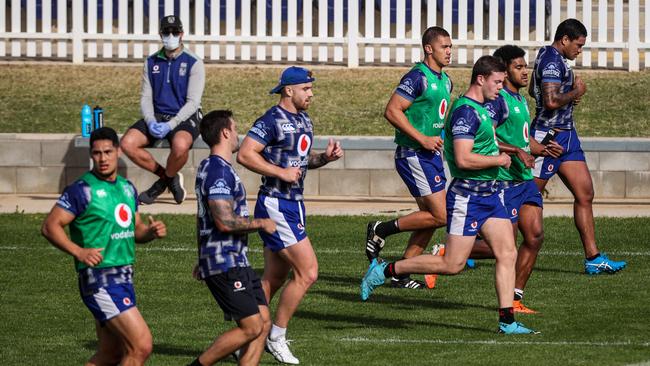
(348, 32)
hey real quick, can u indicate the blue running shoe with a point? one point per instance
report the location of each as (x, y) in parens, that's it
(373, 278)
(470, 263)
(515, 328)
(602, 264)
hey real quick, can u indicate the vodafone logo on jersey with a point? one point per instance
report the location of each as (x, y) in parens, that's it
(304, 143)
(123, 215)
(442, 109)
(525, 132)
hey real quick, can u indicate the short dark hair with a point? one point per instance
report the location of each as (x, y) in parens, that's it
(212, 124)
(508, 53)
(432, 33)
(571, 28)
(485, 66)
(104, 133)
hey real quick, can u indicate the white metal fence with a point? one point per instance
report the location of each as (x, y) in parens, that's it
(348, 32)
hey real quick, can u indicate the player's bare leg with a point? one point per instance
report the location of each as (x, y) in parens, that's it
(302, 259)
(276, 271)
(109, 348)
(532, 230)
(577, 179)
(133, 143)
(457, 251)
(134, 335)
(498, 235)
(252, 353)
(248, 329)
(179, 152)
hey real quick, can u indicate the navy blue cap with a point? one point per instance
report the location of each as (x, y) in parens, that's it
(291, 76)
(171, 22)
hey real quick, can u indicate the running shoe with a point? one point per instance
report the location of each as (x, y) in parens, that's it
(515, 328)
(149, 196)
(280, 350)
(374, 278)
(602, 264)
(374, 243)
(518, 307)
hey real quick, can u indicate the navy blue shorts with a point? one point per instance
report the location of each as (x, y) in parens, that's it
(289, 218)
(466, 214)
(515, 195)
(108, 302)
(238, 292)
(107, 292)
(547, 166)
(422, 171)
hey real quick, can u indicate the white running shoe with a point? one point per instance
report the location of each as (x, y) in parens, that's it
(280, 350)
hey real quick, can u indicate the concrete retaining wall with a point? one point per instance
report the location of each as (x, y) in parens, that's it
(45, 163)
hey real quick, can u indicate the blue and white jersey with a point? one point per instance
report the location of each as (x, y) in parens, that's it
(414, 83)
(287, 138)
(552, 67)
(218, 252)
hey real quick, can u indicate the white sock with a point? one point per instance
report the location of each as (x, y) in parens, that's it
(519, 292)
(277, 333)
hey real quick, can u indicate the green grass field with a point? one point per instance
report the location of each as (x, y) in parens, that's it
(48, 98)
(584, 320)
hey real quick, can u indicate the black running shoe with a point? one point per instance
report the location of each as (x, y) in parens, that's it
(176, 187)
(149, 196)
(406, 282)
(374, 242)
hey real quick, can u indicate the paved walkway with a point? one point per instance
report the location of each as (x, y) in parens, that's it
(331, 206)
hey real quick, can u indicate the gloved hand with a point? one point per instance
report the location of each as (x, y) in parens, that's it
(159, 129)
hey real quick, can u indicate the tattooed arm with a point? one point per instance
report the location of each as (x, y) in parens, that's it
(333, 152)
(316, 160)
(227, 221)
(553, 99)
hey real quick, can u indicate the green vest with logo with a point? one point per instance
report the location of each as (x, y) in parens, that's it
(108, 222)
(484, 143)
(514, 131)
(427, 112)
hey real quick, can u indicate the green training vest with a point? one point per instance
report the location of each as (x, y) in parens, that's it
(514, 131)
(484, 143)
(427, 112)
(108, 222)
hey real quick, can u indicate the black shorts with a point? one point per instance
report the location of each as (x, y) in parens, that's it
(190, 125)
(238, 292)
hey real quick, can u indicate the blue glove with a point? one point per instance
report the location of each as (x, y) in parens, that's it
(159, 129)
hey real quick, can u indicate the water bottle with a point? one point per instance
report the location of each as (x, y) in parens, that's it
(98, 117)
(86, 121)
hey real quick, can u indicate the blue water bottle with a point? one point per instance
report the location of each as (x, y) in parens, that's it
(98, 117)
(86, 121)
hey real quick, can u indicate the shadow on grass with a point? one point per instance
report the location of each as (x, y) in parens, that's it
(340, 321)
(161, 349)
(483, 263)
(401, 301)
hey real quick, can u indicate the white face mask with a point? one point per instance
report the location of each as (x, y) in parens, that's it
(170, 42)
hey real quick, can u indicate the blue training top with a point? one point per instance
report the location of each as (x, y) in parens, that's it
(218, 252)
(552, 67)
(287, 138)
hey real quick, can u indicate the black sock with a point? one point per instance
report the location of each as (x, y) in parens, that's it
(593, 257)
(159, 171)
(389, 271)
(387, 228)
(507, 315)
(195, 363)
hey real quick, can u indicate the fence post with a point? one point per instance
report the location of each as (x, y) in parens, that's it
(633, 37)
(77, 31)
(353, 33)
